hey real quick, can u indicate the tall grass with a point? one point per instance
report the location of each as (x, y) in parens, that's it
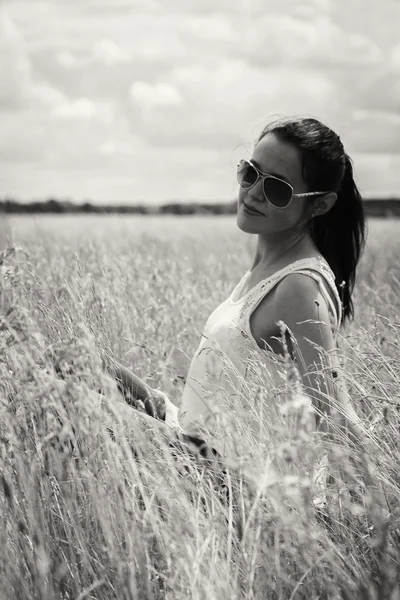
(93, 503)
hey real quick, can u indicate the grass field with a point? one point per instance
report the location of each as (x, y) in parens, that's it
(92, 504)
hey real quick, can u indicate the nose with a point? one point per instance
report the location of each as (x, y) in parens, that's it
(258, 198)
(257, 191)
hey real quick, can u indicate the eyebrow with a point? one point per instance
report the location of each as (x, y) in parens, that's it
(256, 164)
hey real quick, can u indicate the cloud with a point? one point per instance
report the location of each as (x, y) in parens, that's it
(375, 89)
(374, 131)
(15, 78)
(207, 117)
(19, 89)
(44, 94)
(89, 89)
(277, 38)
(104, 51)
(84, 108)
(395, 57)
(110, 53)
(377, 173)
(157, 95)
(68, 61)
(170, 36)
(243, 9)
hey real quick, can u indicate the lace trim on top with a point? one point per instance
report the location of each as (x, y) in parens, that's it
(240, 337)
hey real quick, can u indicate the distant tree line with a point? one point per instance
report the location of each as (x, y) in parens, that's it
(375, 207)
(54, 206)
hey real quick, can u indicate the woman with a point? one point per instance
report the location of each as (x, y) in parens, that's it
(298, 195)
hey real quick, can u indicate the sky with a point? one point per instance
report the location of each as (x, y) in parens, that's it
(128, 101)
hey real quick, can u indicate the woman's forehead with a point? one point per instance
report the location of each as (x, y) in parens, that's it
(276, 157)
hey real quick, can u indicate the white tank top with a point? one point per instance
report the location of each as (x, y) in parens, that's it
(215, 406)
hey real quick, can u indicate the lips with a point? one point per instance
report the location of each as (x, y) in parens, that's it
(252, 210)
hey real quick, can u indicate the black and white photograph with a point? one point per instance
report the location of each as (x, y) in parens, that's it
(199, 300)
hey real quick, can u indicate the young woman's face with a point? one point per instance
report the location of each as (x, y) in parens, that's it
(283, 160)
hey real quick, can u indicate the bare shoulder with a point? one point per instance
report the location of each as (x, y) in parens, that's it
(297, 297)
(297, 301)
(297, 285)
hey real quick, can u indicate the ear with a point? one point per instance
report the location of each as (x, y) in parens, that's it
(325, 204)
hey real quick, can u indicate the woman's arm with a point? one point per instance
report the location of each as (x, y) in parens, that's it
(136, 386)
(153, 400)
(156, 403)
(302, 308)
(300, 305)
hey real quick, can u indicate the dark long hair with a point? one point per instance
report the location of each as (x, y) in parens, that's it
(340, 233)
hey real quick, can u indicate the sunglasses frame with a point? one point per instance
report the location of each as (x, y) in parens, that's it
(263, 176)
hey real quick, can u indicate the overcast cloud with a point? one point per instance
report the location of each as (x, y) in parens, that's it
(152, 100)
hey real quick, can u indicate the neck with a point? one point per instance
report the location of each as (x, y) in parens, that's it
(283, 246)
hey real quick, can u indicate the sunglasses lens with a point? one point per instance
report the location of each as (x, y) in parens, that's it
(246, 174)
(278, 192)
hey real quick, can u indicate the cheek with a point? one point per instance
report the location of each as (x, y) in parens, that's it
(286, 218)
(241, 195)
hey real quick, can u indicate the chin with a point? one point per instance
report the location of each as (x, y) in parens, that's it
(246, 225)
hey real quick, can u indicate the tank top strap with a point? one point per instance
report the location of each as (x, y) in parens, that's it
(315, 267)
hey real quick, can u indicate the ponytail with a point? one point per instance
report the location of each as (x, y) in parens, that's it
(340, 235)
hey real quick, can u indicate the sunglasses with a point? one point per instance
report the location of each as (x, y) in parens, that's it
(277, 192)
